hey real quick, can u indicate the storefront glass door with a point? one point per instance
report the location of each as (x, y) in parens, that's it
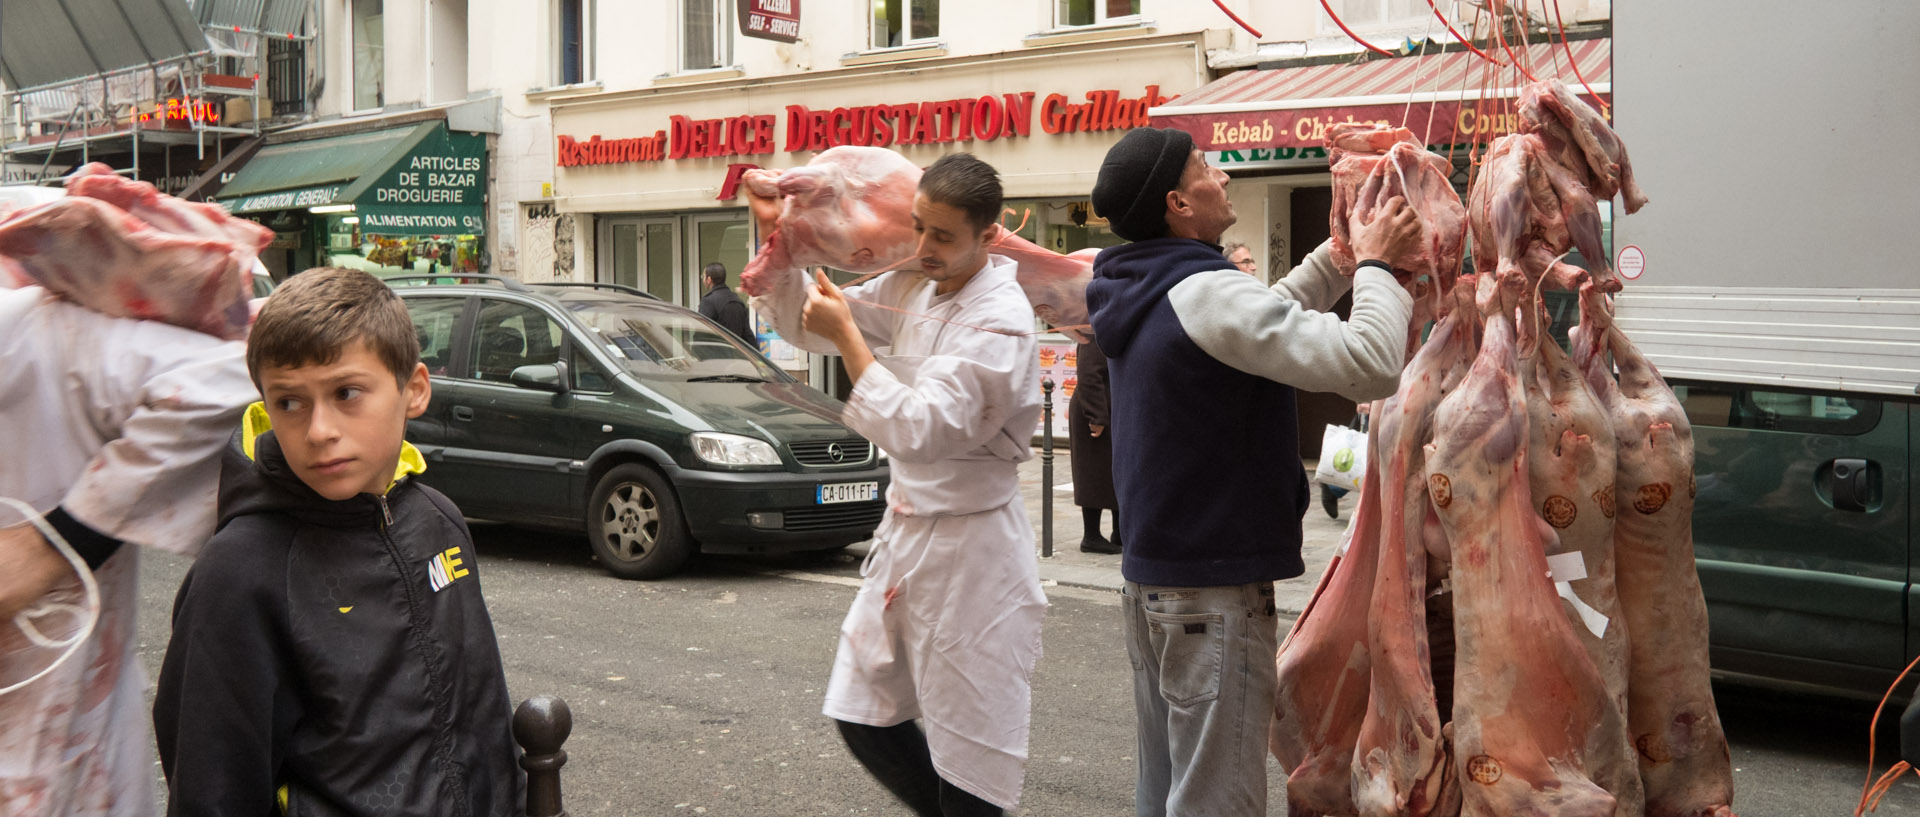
(664, 256)
(643, 254)
(720, 237)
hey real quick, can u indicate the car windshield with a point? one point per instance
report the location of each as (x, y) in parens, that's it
(658, 342)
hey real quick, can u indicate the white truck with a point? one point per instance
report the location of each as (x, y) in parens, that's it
(1776, 142)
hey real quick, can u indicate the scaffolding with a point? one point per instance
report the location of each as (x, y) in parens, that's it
(232, 87)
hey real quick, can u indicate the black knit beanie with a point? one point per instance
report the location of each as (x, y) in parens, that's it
(1138, 173)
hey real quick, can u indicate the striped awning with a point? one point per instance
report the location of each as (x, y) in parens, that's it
(1441, 97)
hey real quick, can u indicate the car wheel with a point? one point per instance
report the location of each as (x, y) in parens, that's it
(635, 526)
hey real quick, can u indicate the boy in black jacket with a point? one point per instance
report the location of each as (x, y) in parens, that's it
(331, 651)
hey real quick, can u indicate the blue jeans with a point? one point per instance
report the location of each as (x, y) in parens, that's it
(1203, 689)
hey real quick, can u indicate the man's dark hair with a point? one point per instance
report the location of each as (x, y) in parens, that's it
(316, 315)
(963, 182)
(715, 271)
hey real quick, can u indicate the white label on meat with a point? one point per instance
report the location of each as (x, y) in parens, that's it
(1567, 567)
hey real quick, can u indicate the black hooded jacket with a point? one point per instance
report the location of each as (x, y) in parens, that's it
(337, 655)
(1206, 457)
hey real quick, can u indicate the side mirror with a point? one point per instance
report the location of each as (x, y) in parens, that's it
(542, 377)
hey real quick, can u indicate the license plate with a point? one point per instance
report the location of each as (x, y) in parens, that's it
(847, 492)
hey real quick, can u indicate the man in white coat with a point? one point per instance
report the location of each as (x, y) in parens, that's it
(946, 627)
(112, 429)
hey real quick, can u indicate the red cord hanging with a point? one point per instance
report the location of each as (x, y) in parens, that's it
(1499, 33)
(1576, 64)
(1236, 18)
(1343, 27)
(1457, 35)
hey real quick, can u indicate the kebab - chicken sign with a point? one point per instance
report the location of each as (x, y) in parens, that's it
(770, 19)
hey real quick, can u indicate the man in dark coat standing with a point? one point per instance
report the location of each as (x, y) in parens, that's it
(722, 306)
(1092, 451)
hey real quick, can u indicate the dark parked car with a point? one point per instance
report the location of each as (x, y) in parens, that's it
(599, 408)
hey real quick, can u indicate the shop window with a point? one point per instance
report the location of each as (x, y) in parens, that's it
(573, 42)
(369, 54)
(1094, 12)
(904, 22)
(1376, 14)
(705, 35)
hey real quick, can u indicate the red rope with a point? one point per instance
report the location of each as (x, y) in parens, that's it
(1236, 19)
(1499, 33)
(1576, 63)
(1343, 27)
(1873, 740)
(1457, 35)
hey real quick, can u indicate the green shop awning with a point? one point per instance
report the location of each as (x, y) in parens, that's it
(418, 180)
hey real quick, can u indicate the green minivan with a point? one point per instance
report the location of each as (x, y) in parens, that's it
(597, 407)
(1803, 533)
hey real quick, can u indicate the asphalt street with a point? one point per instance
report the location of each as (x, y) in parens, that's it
(700, 694)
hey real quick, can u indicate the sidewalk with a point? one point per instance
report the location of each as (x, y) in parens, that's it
(1068, 566)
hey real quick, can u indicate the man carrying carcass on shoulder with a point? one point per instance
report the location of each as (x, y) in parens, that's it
(1204, 361)
(946, 626)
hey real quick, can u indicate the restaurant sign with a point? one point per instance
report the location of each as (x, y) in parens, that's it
(1441, 123)
(777, 20)
(800, 128)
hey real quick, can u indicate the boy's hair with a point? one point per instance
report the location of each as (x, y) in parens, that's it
(317, 314)
(963, 182)
(717, 271)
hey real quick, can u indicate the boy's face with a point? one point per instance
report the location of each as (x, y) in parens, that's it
(340, 424)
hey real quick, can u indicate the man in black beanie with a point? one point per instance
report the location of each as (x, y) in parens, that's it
(1204, 361)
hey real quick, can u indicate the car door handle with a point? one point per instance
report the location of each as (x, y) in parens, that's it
(463, 413)
(1852, 483)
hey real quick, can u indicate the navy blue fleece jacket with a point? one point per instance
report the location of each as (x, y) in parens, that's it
(1204, 360)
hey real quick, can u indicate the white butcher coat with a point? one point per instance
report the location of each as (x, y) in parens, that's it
(946, 626)
(121, 422)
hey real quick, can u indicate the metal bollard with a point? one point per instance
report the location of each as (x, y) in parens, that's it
(540, 725)
(1046, 468)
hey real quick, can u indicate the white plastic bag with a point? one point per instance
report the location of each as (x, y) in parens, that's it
(1343, 458)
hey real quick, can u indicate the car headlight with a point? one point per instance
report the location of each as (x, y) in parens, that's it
(882, 454)
(733, 449)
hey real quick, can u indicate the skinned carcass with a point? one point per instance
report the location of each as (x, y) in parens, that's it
(851, 209)
(1324, 668)
(1571, 475)
(1402, 763)
(1526, 206)
(1675, 728)
(1578, 137)
(1372, 165)
(1531, 714)
(121, 248)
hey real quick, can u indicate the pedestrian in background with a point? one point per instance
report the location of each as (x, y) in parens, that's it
(722, 305)
(1089, 426)
(1204, 362)
(946, 626)
(1241, 257)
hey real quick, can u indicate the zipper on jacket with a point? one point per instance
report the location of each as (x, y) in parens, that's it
(385, 512)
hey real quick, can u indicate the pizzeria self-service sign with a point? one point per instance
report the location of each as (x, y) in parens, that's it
(770, 19)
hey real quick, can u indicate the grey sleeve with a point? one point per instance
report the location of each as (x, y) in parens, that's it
(1317, 284)
(1262, 332)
